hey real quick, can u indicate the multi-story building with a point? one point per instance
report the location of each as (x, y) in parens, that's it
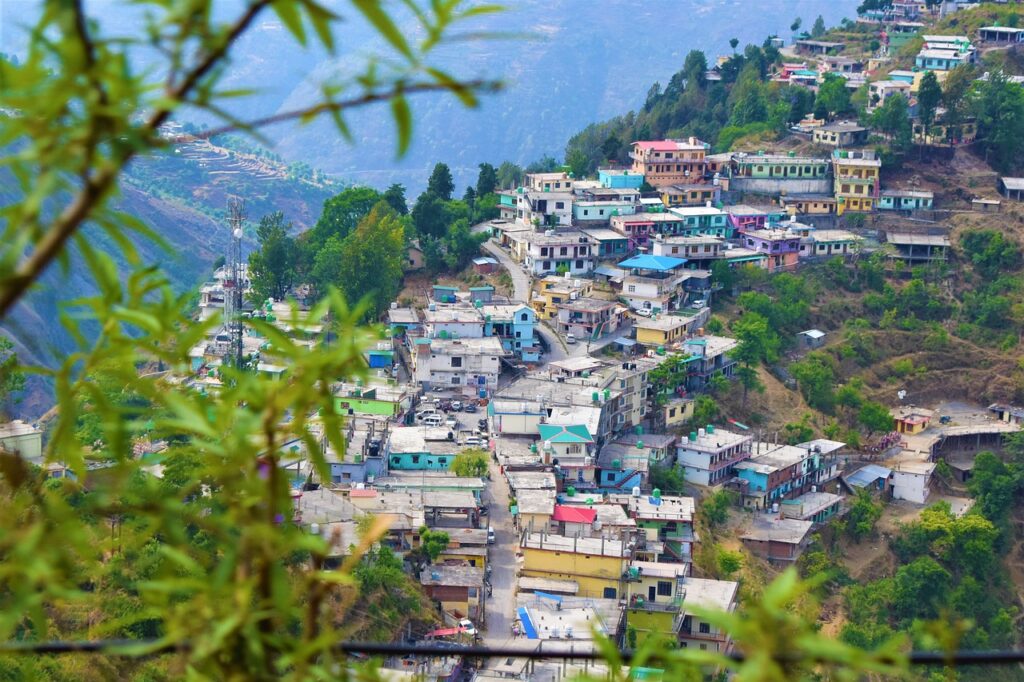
(471, 363)
(709, 455)
(782, 472)
(616, 178)
(696, 250)
(690, 194)
(587, 318)
(809, 204)
(552, 251)
(669, 162)
(823, 243)
(674, 609)
(743, 217)
(548, 209)
(708, 356)
(841, 134)
(667, 520)
(703, 221)
(596, 565)
(597, 213)
(781, 246)
(778, 173)
(553, 291)
(607, 242)
(639, 228)
(558, 181)
(653, 282)
(857, 176)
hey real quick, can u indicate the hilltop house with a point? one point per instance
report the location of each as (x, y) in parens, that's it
(781, 246)
(708, 455)
(653, 282)
(841, 134)
(856, 180)
(780, 472)
(669, 162)
(596, 565)
(552, 251)
(762, 173)
(471, 363)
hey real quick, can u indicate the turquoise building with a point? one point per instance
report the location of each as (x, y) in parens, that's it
(613, 178)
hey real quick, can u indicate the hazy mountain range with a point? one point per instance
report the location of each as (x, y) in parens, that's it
(582, 62)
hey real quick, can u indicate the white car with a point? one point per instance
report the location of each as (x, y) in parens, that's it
(643, 312)
(457, 405)
(451, 422)
(570, 339)
(466, 625)
(472, 441)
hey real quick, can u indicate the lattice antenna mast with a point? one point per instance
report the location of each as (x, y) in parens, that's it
(233, 299)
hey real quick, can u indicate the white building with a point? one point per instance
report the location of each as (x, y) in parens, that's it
(471, 363)
(707, 455)
(22, 438)
(911, 480)
(547, 252)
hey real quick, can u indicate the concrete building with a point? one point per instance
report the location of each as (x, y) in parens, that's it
(1001, 34)
(653, 282)
(840, 134)
(774, 174)
(825, 243)
(23, 439)
(708, 455)
(780, 245)
(774, 473)
(669, 162)
(619, 178)
(880, 91)
(809, 204)
(588, 319)
(472, 364)
(779, 541)
(458, 589)
(551, 251)
(857, 178)
(911, 481)
(905, 200)
(596, 565)
(708, 355)
(690, 194)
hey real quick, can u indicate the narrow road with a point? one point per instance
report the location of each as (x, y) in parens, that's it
(502, 560)
(521, 291)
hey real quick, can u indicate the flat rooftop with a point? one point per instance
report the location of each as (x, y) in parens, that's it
(907, 239)
(560, 543)
(788, 531)
(452, 576)
(777, 458)
(662, 323)
(535, 501)
(713, 442)
(710, 594)
(531, 480)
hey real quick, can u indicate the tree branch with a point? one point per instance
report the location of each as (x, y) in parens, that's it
(97, 186)
(333, 107)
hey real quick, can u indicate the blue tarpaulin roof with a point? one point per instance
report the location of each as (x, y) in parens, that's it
(867, 475)
(528, 628)
(546, 595)
(648, 262)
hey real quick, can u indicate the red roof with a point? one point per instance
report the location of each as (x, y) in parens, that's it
(362, 492)
(574, 514)
(658, 145)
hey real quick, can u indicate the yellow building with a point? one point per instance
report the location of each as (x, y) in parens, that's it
(677, 411)
(661, 331)
(809, 204)
(596, 565)
(553, 291)
(857, 176)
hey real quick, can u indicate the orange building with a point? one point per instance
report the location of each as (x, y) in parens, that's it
(670, 162)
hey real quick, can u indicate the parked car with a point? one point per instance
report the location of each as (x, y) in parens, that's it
(429, 412)
(472, 441)
(457, 405)
(469, 407)
(433, 420)
(466, 625)
(451, 422)
(699, 303)
(643, 312)
(490, 535)
(570, 338)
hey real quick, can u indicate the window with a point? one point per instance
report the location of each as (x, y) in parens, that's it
(455, 381)
(610, 593)
(631, 288)
(704, 628)
(703, 647)
(672, 412)
(664, 588)
(579, 264)
(442, 461)
(559, 204)
(562, 251)
(415, 459)
(472, 593)
(456, 362)
(547, 265)
(586, 211)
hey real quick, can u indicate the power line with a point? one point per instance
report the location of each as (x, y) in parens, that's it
(125, 647)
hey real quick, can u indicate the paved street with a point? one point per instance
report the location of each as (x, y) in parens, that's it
(502, 560)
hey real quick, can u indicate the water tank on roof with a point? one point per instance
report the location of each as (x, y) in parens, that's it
(775, 507)
(570, 491)
(636, 491)
(656, 493)
(616, 464)
(700, 433)
(639, 445)
(394, 305)
(432, 307)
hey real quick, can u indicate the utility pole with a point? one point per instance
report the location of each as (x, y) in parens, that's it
(233, 301)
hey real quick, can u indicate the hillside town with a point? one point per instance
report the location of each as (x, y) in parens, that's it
(540, 419)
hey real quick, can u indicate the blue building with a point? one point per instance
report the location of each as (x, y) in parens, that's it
(614, 178)
(513, 324)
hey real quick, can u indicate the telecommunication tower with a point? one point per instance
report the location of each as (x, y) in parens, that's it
(233, 285)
